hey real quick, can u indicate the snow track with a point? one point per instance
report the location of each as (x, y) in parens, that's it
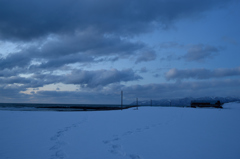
(116, 147)
(147, 133)
(59, 140)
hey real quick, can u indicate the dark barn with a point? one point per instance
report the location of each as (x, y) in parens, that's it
(206, 103)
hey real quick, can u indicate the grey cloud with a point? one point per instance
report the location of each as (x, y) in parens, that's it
(176, 74)
(230, 40)
(11, 72)
(195, 52)
(171, 44)
(100, 77)
(170, 57)
(91, 79)
(156, 75)
(25, 83)
(143, 70)
(28, 19)
(80, 48)
(111, 59)
(229, 87)
(145, 92)
(146, 56)
(89, 42)
(58, 62)
(12, 94)
(81, 31)
(225, 88)
(15, 60)
(200, 52)
(14, 80)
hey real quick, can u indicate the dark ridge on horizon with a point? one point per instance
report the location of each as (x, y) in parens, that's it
(61, 107)
(182, 102)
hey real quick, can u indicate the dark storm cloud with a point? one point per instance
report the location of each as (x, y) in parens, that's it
(56, 34)
(68, 50)
(15, 60)
(176, 74)
(81, 31)
(89, 42)
(28, 19)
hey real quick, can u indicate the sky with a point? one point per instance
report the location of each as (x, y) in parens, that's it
(88, 51)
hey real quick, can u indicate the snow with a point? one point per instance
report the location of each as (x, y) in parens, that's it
(146, 133)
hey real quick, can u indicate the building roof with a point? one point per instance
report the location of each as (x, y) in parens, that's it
(205, 101)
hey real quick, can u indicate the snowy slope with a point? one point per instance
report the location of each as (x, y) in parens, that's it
(185, 101)
(146, 133)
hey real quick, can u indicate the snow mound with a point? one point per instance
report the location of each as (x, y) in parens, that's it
(232, 105)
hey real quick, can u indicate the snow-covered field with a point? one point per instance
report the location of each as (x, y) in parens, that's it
(146, 133)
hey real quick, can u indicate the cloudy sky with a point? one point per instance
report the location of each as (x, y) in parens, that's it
(87, 51)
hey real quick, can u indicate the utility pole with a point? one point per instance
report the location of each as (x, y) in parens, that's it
(121, 99)
(137, 103)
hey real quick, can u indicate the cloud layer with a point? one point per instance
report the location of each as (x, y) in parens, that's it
(176, 74)
(28, 19)
(77, 43)
(200, 52)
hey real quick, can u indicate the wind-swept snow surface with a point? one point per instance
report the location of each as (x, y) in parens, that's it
(146, 133)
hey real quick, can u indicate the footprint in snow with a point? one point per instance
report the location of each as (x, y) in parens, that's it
(59, 143)
(117, 149)
(132, 156)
